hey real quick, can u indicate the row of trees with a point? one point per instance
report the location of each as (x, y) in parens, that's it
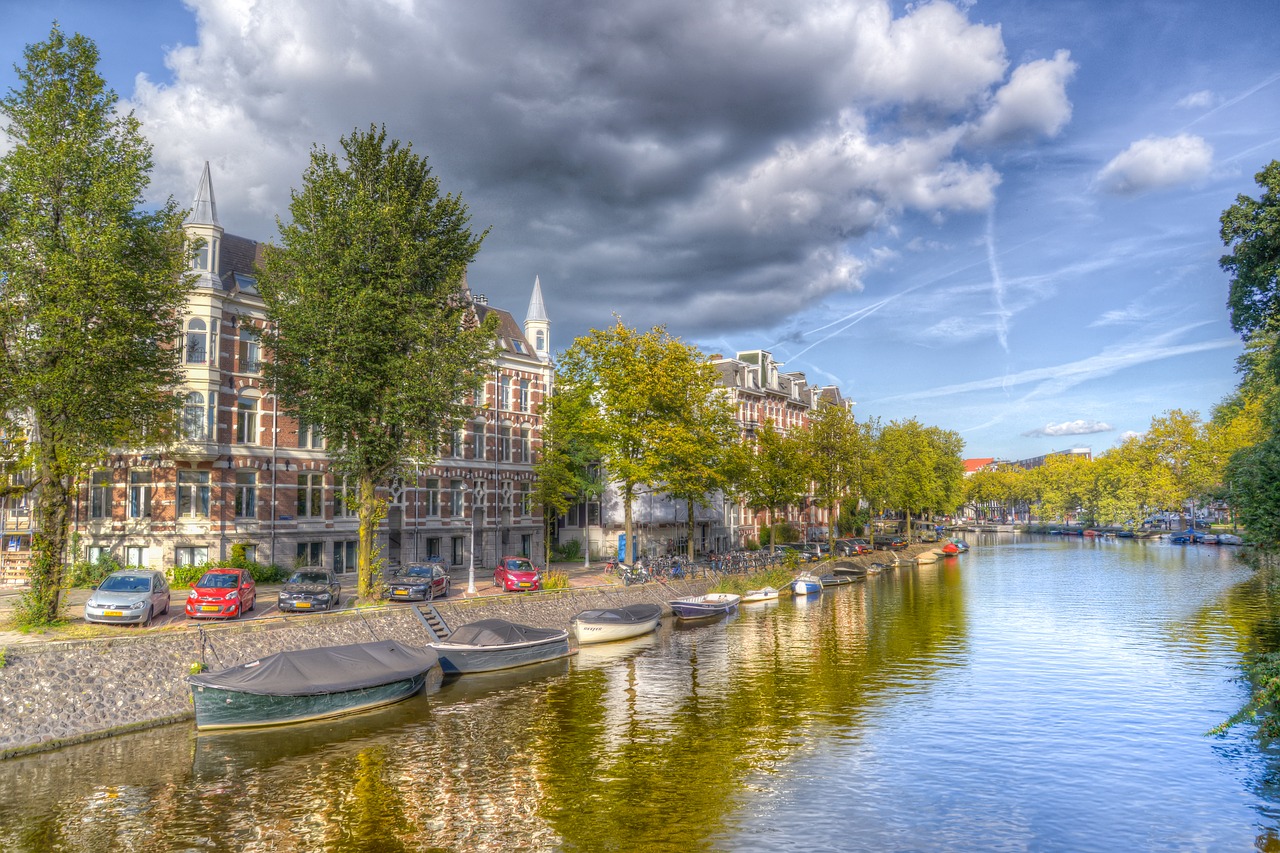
(1179, 460)
(651, 411)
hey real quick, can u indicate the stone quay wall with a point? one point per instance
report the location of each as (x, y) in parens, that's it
(59, 693)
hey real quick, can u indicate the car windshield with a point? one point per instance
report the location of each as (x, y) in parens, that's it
(126, 583)
(218, 580)
(418, 572)
(519, 566)
(308, 577)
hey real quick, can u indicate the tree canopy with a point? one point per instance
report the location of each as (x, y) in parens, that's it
(372, 332)
(92, 290)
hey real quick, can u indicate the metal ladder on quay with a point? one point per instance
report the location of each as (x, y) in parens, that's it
(431, 619)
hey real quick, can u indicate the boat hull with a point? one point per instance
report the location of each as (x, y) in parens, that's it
(806, 585)
(608, 626)
(217, 708)
(462, 659)
(704, 606)
(755, 596)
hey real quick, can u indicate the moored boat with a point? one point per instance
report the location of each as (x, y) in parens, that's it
(835, 580)
(615, 623)
(753, 596)
(310, 684)
(806, 584)
(492, 644)
(705, 606)
(930, 556)
(1229, 539)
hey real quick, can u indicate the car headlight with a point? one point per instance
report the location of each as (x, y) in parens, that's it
(137, 605)
(324, 596)
(191, 596)
(233, 595)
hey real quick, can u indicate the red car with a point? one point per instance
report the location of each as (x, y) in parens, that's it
(221, 594)
(516, 573)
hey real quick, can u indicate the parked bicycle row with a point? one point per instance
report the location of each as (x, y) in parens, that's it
(648, 569)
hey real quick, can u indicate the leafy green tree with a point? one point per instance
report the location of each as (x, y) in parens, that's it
(1061, 484)
(92, 290)
(640, 387)
(776, 475)
(925, 471)
(838, 453)
(1251, 230)
(371, 329)
(562, 470)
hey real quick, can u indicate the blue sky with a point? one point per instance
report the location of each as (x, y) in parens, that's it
(998, 217)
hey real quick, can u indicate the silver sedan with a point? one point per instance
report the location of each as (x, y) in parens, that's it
(128, 597)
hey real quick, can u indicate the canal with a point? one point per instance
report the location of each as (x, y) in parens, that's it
(1044, 694)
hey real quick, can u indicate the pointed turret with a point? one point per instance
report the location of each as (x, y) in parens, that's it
(204, 232)
(537, 326)
(204, 210)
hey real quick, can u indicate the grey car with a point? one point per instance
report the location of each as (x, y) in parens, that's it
(128, 597)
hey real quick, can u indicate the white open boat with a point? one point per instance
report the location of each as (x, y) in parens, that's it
(806, 584)
(705, 606)
(615, 623)
(766, 593)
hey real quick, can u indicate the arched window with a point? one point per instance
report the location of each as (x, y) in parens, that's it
(197, 347)
(193, 422)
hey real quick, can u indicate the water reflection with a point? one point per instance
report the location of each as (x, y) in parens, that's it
(1017, 697)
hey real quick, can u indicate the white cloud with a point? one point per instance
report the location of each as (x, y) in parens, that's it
(1198, 100)
(1076, 427)
(1033, 103)
(1157, 162)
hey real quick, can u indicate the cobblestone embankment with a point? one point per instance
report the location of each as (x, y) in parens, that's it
(57, 693)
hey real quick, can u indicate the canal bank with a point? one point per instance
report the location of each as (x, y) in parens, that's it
(55, 692)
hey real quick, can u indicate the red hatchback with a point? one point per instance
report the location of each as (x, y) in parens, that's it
(516, 573)
(221, 594)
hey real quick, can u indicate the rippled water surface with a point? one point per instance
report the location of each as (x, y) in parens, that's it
(1047, 695)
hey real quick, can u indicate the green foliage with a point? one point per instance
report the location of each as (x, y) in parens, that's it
(1251, 229)
(371, 330)
(1263, 673)
(773, 473)
(94, 288)
(86, 575)
(751, 544)
(237, 560)
(782, 532)
(186, 575)
(778, 578)
(3, 660)
(555, 580)
(197, 668)
(1254, 475)
(567, 551)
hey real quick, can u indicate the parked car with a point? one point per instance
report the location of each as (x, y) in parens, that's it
(852, 547)
(516, 573)
(310, 589)
(128, 597)
(222, 594)
(807, 554)
(419, 582)
(897, 543)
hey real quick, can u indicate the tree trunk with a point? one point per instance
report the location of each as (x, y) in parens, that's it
(48, 537)
(629, 555)
(688, 502)
(369, 513)
(768, 517)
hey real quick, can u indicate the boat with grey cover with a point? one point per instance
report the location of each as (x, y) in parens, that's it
(491, 644)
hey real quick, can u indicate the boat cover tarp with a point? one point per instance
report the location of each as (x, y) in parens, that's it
(330, 669)
(498, 632)
(621, 615)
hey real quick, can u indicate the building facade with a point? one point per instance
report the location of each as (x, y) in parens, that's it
(243, 473)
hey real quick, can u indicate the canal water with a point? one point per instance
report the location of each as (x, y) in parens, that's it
(1041, 694)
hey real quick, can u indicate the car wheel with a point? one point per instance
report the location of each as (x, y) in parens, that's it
(147, 619)
(445, 594)
(253, 602)
(165, 612)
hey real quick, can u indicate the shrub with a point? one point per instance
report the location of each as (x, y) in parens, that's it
(566, 551)
(751, 544)
(555, 580)
(187, 575)
(87, 575)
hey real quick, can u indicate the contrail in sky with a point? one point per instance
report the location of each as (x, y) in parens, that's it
(997, 282)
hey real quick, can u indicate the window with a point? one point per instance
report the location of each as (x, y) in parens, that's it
(97, 552)
(251, 553)
(433, 546)
(504, 443)
(457, 490)
(526, 544)
(195, 417)
(246, 494)
(250, 350)
(477, 440)
(246, 421)
(526, 499)
(431, 500)
(197, 348)
(458, 443)
(193, 494)
(524, 395)
(135, 555)
(310, 496)
(100, 494)
(200, 259)
(191, 556)
(506, 492)
(140, 493)
(524, 451)
(455, 550)
(344, 556)
(309, 436)
(540, 341)
(344, 499)
(310, 554)
(504, 393)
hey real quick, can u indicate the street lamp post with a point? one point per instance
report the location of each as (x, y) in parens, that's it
(471, 551)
